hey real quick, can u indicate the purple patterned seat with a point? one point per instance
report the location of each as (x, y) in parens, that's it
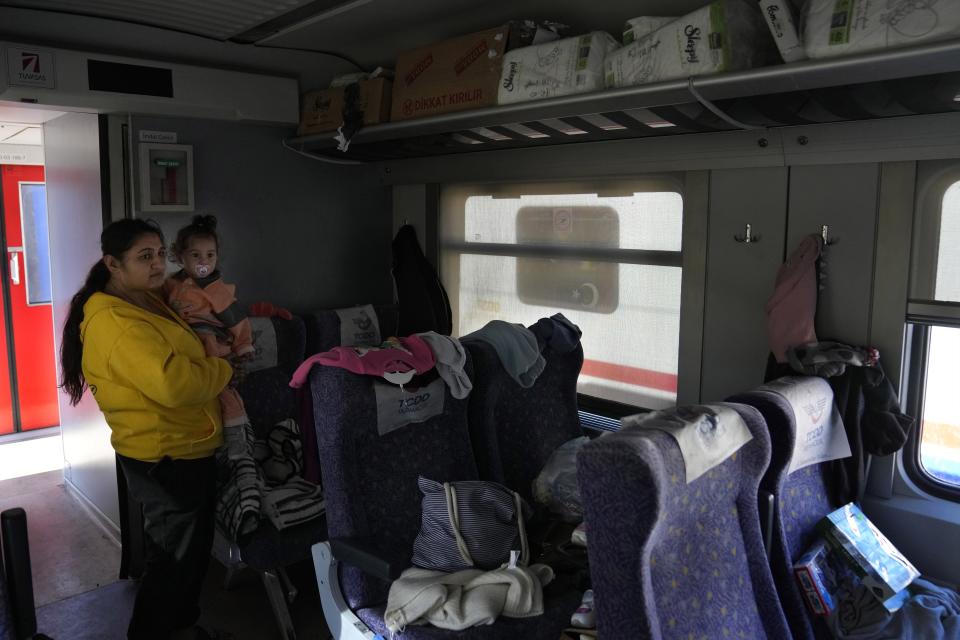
(370, 484)
(676, 560)
(515, 430)
(269, 400)
(801, 499)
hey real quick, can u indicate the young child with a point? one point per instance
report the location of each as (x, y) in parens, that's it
(209, 305)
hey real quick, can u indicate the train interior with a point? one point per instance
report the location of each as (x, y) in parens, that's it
(668, 294)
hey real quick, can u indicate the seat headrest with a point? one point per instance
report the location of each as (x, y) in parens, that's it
(706, 434)
(820, 433)
(277, 343)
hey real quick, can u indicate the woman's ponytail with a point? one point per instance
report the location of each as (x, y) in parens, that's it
(115, 240)
(71, 349)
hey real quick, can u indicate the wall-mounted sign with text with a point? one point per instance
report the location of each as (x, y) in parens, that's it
(163, 137)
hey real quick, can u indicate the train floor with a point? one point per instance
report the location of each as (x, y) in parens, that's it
(75, 562)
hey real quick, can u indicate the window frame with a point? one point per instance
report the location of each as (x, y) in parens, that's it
(605, 186)
(918, 349)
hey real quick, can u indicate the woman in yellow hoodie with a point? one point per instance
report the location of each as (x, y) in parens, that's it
(158, 391)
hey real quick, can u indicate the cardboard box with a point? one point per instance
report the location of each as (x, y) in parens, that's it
(818, 578)
(322, 110)
(882, 569)
(453, 75)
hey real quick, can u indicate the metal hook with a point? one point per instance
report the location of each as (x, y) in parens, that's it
(825, 234)
(747, 236)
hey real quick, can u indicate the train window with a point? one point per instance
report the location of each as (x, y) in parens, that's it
(940, 419)
(948, 258)
(933, 456)
(608, 256)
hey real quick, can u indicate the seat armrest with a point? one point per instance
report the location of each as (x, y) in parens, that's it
(369, 557)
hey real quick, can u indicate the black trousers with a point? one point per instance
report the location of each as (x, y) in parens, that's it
(178, 499)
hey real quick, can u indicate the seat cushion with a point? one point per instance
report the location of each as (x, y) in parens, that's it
(269, 548)
(560, 601)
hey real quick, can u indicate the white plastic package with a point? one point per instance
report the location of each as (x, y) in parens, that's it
(726, 35)
(636, 28)
(842, 27)
(781, 17)
(556, 487)
(558, 68)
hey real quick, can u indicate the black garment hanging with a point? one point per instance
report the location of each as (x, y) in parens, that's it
(422, 301)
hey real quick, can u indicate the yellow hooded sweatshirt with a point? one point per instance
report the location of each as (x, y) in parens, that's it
(152, 380)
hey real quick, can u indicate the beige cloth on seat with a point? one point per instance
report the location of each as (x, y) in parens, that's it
(464, 599)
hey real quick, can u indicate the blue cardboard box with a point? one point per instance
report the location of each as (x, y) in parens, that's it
(883, 570)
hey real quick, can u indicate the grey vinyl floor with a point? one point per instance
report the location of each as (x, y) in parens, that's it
(78, 596)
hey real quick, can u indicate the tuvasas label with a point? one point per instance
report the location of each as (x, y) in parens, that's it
(435, 103)
(31, 68)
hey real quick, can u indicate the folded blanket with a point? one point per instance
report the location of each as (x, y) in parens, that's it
(516, 347)
(464, 599)
(451, 358)
(293, 503)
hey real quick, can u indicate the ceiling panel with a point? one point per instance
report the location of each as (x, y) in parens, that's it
(13, 112)
(220, 19)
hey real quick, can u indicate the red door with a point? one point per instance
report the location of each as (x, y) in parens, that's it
(33, 388)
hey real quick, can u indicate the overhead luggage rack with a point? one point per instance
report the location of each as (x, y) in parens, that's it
(895, 82)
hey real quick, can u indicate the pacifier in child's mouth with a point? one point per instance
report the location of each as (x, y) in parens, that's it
(201, 270)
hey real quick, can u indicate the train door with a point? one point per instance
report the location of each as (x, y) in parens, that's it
(28, 382)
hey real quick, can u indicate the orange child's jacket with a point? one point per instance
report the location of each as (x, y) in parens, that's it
(209, 305)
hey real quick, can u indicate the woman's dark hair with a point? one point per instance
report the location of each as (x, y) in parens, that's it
(116, 240)
(199, 227)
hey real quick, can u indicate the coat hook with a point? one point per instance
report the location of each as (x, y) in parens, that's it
(825, 234)
(747, 236)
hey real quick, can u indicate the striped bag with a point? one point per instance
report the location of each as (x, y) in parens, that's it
(470, 524)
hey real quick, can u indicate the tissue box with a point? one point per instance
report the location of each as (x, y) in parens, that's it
(882, 569)
(453, 75)
(781, 17)
(559, 68)
(726, 35)
(839, 27)
(322, 111)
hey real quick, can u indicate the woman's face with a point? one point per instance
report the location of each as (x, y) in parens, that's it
(142, 267)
